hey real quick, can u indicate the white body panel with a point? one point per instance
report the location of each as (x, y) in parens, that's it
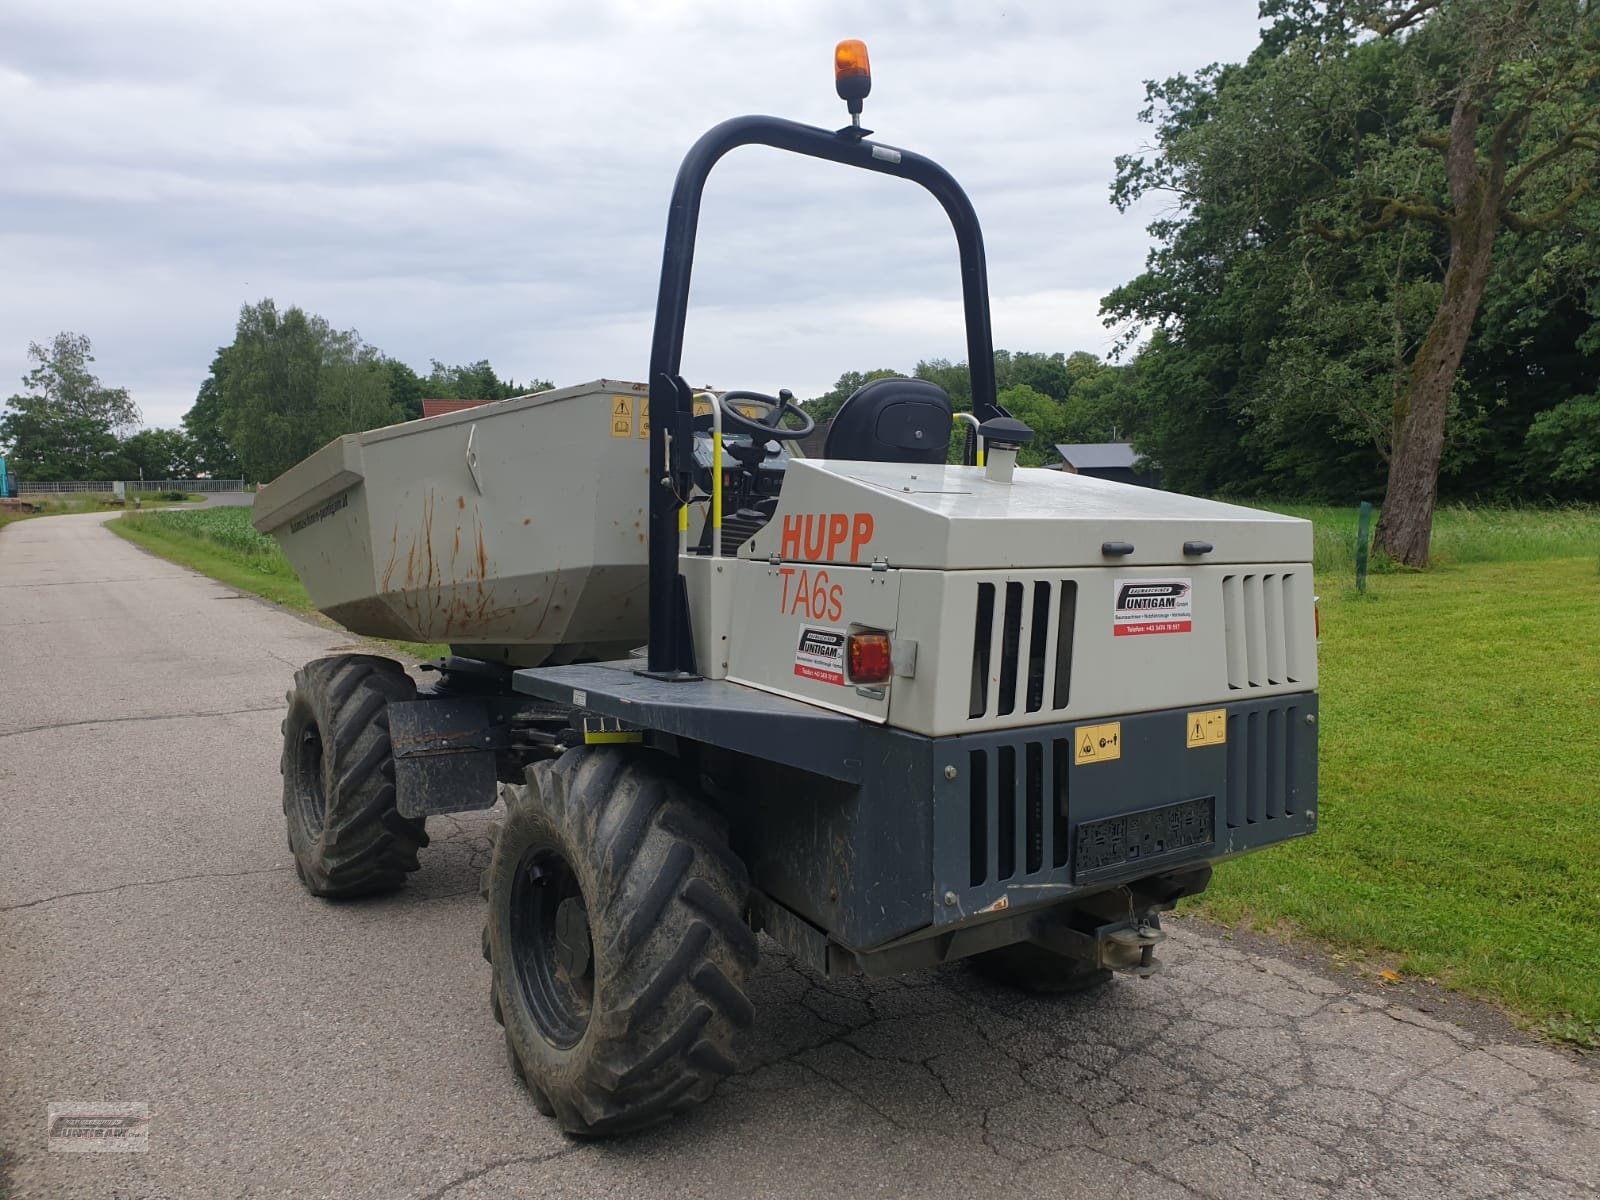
(1062, 639)
(953, 519)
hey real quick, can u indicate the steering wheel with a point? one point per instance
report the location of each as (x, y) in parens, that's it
(769, 428)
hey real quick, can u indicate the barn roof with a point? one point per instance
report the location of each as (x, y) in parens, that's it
(1097, 455)
(437, 408)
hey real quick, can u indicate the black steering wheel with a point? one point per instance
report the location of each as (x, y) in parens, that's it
(769, 428)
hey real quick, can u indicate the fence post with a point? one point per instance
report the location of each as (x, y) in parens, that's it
(1361, 545)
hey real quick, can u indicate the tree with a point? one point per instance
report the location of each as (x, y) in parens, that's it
(210, 455)
(1522, 89)
(1071, 397)
(1564, 444)
(475, 381)
(1040, 413)
(156, 454)
(824, 407)
(290, 383)
(1342, 198)
(65, 425)
(405, 388)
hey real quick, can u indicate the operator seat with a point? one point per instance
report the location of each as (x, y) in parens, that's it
(893, 421)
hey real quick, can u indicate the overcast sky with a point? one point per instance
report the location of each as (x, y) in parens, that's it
(489, 180)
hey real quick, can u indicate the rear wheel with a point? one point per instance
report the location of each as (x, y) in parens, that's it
(617, 935)
(1032, 968)
(346, 835)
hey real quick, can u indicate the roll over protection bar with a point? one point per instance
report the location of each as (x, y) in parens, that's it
(671, 401)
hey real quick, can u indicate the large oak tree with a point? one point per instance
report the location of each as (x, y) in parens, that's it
(1340, 200)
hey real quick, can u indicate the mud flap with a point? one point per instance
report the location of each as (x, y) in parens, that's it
(444, 756)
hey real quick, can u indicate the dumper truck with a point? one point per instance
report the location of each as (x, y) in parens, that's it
(895, 704)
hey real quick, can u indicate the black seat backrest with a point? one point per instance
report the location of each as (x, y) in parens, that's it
(892, 420)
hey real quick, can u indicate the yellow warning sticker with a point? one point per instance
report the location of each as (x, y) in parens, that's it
(622, 416)
(702, 406)
(1208, 728)
(1097, 743)
(599, 731)
(644, 418)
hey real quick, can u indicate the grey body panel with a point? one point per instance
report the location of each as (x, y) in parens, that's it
(513, 531)
(735, 718)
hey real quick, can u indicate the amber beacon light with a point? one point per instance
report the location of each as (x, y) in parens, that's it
(852, 73)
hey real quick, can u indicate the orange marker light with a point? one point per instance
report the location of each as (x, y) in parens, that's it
(852, 72)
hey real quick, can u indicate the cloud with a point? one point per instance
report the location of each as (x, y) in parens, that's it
(469, 180)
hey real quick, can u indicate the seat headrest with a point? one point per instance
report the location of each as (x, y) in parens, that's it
(892, 420)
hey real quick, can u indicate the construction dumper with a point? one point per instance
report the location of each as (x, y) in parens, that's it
(890, 709)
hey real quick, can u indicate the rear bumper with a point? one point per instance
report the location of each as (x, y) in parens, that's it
(942, 833)
(1028, 818)
(863, 835)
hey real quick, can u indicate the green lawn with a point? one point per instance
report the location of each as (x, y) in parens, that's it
(1460, 765)
(1460, 788)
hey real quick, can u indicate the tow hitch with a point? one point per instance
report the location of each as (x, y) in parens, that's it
(1128, 946)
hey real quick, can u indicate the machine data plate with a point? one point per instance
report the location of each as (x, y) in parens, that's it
(1115, 845)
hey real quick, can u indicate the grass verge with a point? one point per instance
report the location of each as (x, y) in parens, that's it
(1461, 535)
(1460, 822)
(221, 543)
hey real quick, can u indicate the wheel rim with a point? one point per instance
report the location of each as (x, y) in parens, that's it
(552, 950)
(308, 782)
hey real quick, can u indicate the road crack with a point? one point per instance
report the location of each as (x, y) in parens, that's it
(223, 712)
(479, 1172)
(143, 883)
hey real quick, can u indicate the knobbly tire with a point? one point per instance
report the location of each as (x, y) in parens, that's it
(617, 935)
(346, 835)
(1031, 968)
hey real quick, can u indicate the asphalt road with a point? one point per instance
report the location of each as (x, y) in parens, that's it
(155, 947)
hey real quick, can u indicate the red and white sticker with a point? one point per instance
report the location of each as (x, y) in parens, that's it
(820, 655)
(1153, 606)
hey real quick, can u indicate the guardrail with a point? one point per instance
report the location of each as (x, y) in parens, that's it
(27, 487)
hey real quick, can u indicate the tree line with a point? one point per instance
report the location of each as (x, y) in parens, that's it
(1061, 397)
(290, 383)
(287, 384)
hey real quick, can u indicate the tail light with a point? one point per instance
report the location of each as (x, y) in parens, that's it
(868, 657)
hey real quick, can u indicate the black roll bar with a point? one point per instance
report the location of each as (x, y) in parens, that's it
(671, 400)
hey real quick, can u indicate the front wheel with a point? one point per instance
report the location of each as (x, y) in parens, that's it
(617, 935)
(346, 835)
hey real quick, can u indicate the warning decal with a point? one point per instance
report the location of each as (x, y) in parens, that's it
(622, 416)
(1097, 743)
(820, 655)
(1153, 606)
(1208, 728)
